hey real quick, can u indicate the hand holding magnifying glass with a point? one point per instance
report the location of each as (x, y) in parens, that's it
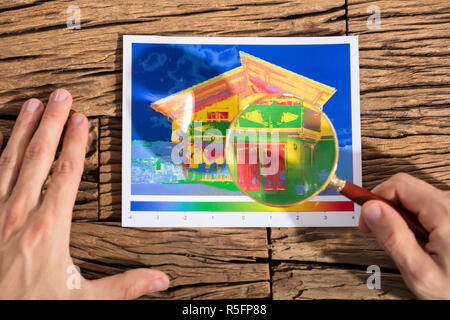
(283, 153)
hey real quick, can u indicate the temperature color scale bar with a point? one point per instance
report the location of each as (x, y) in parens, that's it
(312, 206)
(237, 214)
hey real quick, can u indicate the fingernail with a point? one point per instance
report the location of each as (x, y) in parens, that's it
(32, 105)
(372, 214)
(158, 285)
(59, 95)
(76, 119)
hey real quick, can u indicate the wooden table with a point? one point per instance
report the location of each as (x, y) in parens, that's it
(405, 94)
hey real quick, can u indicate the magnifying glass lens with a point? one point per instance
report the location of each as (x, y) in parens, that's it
(281, 150)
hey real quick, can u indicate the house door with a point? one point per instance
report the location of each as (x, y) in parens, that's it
(275, 165)
(248, 172)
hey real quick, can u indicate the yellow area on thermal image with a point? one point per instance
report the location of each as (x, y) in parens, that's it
(288, 117)
(254, 116)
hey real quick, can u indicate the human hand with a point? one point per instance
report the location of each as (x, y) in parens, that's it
(426, 270)
(35, 228)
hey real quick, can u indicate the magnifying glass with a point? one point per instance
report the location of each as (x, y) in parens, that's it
(281, 152)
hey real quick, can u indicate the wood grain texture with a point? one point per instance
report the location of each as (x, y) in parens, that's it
(344, 246)
(201, 263)
(39, 53)
(298, 281)
(405, 89)
(410, 48)
(405, 94)
(86, 206)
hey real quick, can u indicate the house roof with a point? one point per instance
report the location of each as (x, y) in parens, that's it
(255, 76)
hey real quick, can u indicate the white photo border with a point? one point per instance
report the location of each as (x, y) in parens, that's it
(235, 219)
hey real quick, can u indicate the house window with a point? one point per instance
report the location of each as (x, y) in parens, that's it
(212, 115)
(217, 116)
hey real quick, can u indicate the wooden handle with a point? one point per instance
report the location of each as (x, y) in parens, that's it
(361, 195)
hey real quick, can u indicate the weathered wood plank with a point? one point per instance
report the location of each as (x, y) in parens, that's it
(292, 281)
(39, 53)
(410, 48)
(253, 290)
(202, 263)
(405, 89)
(423, 156)
(86, 206)
(110, 168)
(343, 246)
(224, 16)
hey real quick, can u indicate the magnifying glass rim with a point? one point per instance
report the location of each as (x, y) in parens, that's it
(228, 152)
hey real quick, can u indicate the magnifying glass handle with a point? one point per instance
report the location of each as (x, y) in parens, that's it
(361, 195)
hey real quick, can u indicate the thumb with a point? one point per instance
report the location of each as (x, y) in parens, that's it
(396, 238)
(131, 284)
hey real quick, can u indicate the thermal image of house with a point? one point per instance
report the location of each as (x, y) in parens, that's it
(217, 101)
